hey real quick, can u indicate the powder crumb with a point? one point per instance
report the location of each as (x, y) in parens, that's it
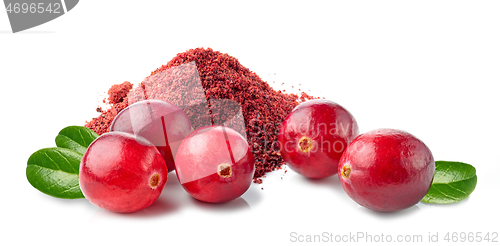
(119, 92)
(257, 180)
(284, 173)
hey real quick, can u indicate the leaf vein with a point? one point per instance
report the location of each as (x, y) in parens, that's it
(456, 181)
(67, 161)
(53, 170)
(56, 183)
(444, 175)
(83, 139)
(38, 171)
(457, 189)
(47, 174)
(72, 187)
(52, 160)
(450, 197)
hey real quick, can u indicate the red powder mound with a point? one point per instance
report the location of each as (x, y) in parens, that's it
(222, 77)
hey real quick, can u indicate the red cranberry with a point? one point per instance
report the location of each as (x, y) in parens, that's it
(162, 123)
(314, 136)
(121, 172)
(386, 170)
(214, 164)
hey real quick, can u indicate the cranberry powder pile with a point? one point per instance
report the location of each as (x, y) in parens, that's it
(222, 77)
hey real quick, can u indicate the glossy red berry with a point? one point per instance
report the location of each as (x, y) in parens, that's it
(214, 164)
(314, 136)
(122, 173)
(386, 170)
(160, 122)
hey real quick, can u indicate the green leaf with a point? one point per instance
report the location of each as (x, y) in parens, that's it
(54, 171)
(453, 182)
(76, 138)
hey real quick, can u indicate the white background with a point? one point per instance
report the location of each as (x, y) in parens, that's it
(427, 67)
